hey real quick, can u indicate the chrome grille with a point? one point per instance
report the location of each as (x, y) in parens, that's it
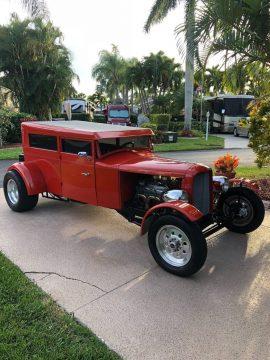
(201, 192)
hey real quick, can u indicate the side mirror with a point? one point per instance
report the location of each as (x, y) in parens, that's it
(82, 154)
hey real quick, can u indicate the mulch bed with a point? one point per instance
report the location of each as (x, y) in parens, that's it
(11, 145)
(264, 188)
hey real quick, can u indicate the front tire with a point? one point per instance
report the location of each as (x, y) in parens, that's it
(177, 245)
(235, 132)
(16, 194)
(241, 209)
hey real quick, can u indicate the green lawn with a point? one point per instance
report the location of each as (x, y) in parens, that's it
(32, 326)
(10, 153)
(214, 142)
(253, 172)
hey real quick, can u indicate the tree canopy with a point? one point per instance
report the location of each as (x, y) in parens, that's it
(34, 65)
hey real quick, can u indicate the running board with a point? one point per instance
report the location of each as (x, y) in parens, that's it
(212, 229)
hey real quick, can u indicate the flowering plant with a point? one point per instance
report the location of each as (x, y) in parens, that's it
(226, 165)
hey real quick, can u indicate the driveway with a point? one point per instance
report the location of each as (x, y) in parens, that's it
(96, 265)
(4, 164)
(207, 157)
(233, 142)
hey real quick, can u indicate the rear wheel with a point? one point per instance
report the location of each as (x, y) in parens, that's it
(178, 246)
(242, 210)
(16, 194)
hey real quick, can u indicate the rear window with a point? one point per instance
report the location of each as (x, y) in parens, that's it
(43, 141)
(75, 146)
(109, 145)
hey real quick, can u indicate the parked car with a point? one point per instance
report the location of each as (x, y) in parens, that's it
(242, 128)
(177, 203)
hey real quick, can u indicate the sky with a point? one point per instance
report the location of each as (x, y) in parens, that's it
(90, 26)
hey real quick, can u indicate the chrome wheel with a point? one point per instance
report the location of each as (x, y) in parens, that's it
(173, 245)
(12, 191)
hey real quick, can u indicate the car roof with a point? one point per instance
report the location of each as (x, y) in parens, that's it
(90, 129)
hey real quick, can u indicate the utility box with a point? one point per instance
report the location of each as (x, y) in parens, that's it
(170, 137)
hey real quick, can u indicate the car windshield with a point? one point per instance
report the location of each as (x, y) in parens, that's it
(107, 146)
(118, 113)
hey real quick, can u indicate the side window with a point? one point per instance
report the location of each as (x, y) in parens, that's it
(43, 141)
(75, 146)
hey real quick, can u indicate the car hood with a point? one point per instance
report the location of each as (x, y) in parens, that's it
(149, 163)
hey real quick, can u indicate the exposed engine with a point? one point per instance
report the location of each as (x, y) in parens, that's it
(150, 190)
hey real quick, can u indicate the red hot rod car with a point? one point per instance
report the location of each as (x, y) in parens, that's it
(179, 204)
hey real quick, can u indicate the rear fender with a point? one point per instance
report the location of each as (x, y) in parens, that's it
(32, 177)
(178, 208)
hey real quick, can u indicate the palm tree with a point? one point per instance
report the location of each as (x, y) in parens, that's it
(36, 8)
(158, 12)
(239, 28)
(109, 72)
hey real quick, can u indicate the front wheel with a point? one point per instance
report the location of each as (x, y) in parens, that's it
(16, 194)
(178, 246)
(235, 132)
(241, 210)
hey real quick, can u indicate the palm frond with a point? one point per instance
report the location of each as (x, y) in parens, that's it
(36, 8)
(159, 11)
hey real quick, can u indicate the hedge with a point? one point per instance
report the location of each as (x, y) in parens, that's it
(10, 123)
(99, 118)
(77, 116)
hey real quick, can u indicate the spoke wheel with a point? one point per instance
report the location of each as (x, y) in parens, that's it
(239, 210)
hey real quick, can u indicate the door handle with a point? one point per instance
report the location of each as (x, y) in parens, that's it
(85, 173)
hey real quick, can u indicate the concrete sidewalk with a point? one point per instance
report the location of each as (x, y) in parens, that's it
(96, 265)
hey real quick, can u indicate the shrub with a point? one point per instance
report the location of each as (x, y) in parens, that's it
(11, 124)
(226, 165)
(260, 131)
(161, 120)
(133, 119)
(149, 125)
(99, 118)
(77, 116)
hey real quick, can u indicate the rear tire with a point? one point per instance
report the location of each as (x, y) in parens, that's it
(177, 245)
(16, 194)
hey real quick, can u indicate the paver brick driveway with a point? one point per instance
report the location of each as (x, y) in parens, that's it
(96, 265)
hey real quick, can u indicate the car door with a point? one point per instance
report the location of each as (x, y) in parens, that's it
(78, 170)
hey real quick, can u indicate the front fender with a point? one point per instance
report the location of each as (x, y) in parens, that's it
(177, 207)
(32, 177)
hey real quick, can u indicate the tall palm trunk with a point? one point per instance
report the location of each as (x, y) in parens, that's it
(189, 73)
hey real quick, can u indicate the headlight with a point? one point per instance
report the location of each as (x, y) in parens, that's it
(173, 195)
(223, 181)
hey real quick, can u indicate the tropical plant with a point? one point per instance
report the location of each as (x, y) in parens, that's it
(158, 12)
(109, 72)
(36, 8)
(226, 165)
(35, 65)
(259, 131)
(241, 29)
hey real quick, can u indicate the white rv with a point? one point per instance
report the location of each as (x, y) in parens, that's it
(77, 106)
(227, 110)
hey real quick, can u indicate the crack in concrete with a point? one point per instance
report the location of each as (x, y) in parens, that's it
(48, 273)
(116, 288)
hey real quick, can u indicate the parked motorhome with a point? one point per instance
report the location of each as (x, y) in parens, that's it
(227, 110)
